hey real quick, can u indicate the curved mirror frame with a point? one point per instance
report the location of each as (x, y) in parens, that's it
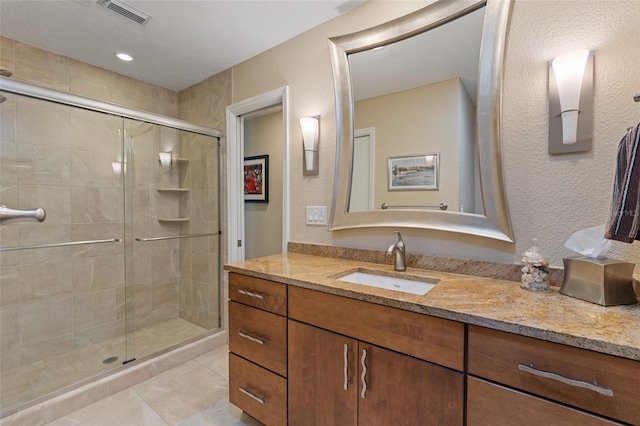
(495, 222)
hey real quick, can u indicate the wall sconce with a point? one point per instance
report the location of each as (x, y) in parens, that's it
(165, 159)
(310, 135)
(571, 102)
(117, 167)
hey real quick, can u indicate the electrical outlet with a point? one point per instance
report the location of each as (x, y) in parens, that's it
(316, 215)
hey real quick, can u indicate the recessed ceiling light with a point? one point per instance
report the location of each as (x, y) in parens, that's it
(124, 57)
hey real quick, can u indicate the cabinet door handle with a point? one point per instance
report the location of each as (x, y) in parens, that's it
(346, 366)
(250, 337)
(251, 395)
(364, 373)
(251, 294)
(572, 382)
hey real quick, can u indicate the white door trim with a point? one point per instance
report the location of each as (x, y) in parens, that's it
(235, 156)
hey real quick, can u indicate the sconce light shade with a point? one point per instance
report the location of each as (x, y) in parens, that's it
(117, 167)
(165, 159)
(310, 135)
(571, 98)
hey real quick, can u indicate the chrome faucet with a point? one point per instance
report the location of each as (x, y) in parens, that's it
(398, 250)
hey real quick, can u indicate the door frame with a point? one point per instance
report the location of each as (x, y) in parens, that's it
(371, 133)
(235, 157)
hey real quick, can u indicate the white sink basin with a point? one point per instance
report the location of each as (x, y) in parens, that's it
(407, 285)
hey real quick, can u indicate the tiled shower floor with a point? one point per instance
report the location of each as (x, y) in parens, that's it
(192, 394)
(31, 381)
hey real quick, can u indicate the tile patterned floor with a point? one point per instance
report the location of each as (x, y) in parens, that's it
(55, 372)
(194, 393)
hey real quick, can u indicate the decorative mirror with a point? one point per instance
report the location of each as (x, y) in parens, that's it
(418, 116)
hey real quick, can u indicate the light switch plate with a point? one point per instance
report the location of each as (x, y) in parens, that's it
(316, 215)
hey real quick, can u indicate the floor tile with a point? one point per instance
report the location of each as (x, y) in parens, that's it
(39, 378)
(125, 408)
(221, 413)
(193, 394)
(217, 361)
(183, 391)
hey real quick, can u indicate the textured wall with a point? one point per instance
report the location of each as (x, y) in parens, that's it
(303, 64)
(549, 196)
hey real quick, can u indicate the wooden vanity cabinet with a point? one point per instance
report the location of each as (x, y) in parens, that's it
(587, 380)
(491, 404)
(338, 379)
(258, 348)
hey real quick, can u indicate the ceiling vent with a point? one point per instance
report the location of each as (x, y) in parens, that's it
(126, 10)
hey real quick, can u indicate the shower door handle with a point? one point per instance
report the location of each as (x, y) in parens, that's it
(8, 215)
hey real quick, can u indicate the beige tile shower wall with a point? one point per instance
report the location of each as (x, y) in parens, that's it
(59, 299)
(34, 65)
(205, 103)
(56, 300)
(156, 271)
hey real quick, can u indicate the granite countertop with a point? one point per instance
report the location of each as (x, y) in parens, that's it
(492, 303)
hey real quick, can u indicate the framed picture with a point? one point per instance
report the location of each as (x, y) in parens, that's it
(415, 172)
(256, 179)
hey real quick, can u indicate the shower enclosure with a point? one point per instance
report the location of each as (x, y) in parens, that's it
(110, 238)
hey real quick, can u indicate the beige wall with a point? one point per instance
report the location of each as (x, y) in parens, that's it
(263, 221)
(424, 120)
(549, 196)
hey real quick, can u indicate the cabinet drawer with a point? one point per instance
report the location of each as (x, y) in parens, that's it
(596, 382)
(263, 294)
(258, 336)
(431, 339)
(488, 404)
(259, 392)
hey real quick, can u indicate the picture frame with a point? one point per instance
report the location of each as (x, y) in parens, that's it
(414, 172)
(256, 179)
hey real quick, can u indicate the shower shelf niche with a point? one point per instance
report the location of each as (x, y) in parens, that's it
(178, 160)
(175, 190)
(172, 189)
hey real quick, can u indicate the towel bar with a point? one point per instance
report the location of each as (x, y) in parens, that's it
(637, 97)
(441, 206)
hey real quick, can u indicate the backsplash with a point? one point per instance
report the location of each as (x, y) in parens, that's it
(500, 271)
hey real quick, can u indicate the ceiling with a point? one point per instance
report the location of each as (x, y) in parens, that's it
(185, 41)
(442, 53)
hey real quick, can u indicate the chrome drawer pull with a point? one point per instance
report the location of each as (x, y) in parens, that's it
(245, 391)
(251, 294)
(249, 337)
(364, 374)
(572, 382)
(346, 366)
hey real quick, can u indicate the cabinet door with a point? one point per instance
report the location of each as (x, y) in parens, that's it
(399, 390)
(322, 377)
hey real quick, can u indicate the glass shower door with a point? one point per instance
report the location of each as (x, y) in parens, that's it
(62, 280)
(173, 226)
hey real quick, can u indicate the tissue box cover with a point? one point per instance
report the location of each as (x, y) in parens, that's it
(606, 282)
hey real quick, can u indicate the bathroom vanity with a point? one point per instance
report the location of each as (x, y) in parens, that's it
(307, 348)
